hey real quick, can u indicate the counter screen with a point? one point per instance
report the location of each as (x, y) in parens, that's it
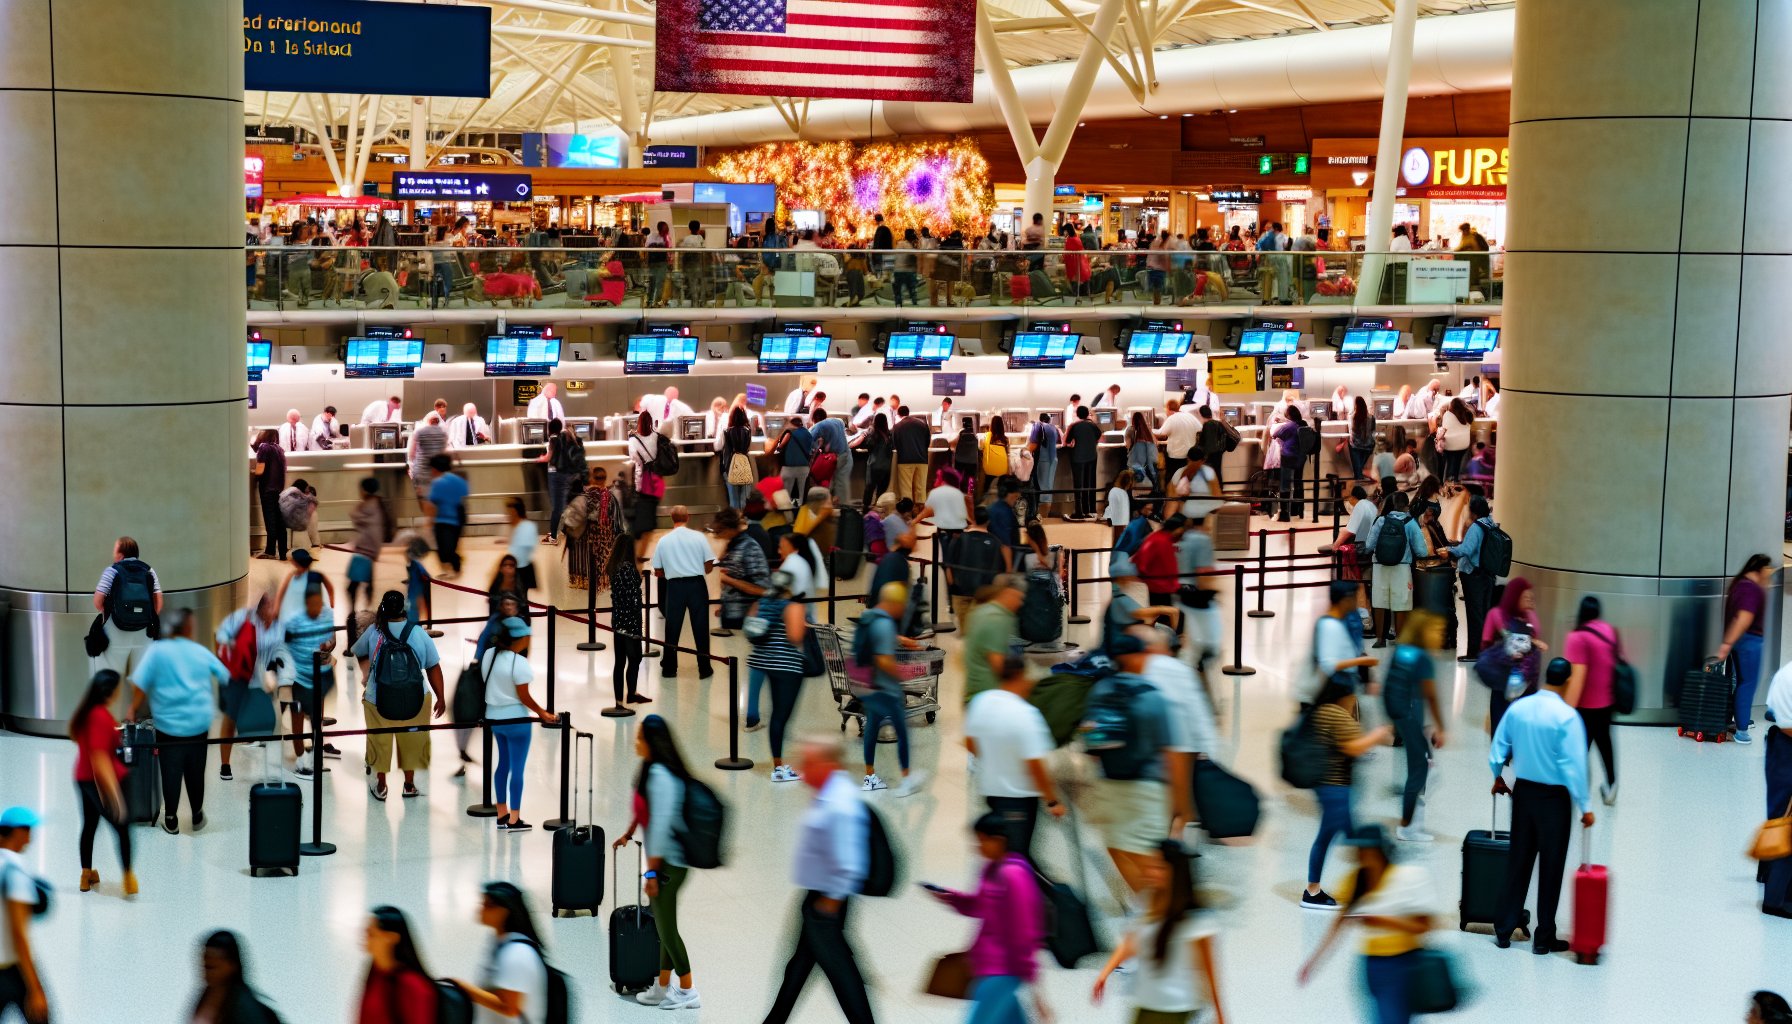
(521, 357)
(660, 353)
(1362, 345)
(1042, 351)
(1272, 344)
(1156, 348)
(917, 351)
(1468, 342)
(383, 357)
(261, 353)
(792, 353)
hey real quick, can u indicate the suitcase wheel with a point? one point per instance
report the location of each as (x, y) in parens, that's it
(1586, 958)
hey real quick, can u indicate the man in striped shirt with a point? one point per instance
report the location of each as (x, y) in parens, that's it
(428, 440)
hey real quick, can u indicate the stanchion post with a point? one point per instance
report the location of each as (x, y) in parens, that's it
(1262, 564)
(733, 762)
(485, 808)
(566, 740)
(591, 643)
(1337, 508)
(1075, 619)
(933, 597)
(1316, 459)
(553, 615)
(1290, 556)
(316, 847)
(1238, 667)
(831, 595)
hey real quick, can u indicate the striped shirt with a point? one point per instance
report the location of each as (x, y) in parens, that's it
(429, 440)
(775, 653)
(304, 635)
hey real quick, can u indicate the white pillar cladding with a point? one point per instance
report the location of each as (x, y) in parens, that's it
(1644, 429)
(1387, 150)
(123, 397)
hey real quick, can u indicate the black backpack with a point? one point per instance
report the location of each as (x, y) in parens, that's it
(880, 866)
(1390, 543)
(132, 600)
(453, 1005)
(1111, 729)
(703, 831)
(1306, 440)
(1403, 687)
(1302, 756)
(966, 449)
(559, 1009)
(665, 457)
(1232, 438)
(1496, 549)
(571, 456)
(1041, 618)
(398, 672)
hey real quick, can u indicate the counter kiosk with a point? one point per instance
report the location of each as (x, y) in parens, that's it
(1320, 410)
(1015, 422)
(378, 437)
(522, 431)
(1383, 408)
(585, 428)
(692, 428)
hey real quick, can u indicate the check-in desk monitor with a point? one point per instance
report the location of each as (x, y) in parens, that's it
(792, 353)
(690, 428)
(1468, 343)
(383, 357)
(1384, 408)
(1039, 351)
(1103, 418)
(1319, 411)
(1233, 415)
(585, 429)
(1014, 421)
(1368, 345)
(1274, 346)
(1156, 348)
(521, 356)
(659, 353)
(261, 353)
(774, 423)
(1056, 418)
(914, 351)
(523, 431)
(951, 425)
(383, 437)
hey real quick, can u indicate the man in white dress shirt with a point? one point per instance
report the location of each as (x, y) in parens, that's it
(1109, 399)
(325, 426)
(942, 417)
(294, 437)
(469, 428)
(804, 397)
(1420, 405)
(662, 406)
(384, 410)
(545, 406)
(867, 413)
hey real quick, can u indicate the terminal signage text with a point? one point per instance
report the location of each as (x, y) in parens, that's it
(351, 46)
(471, 187)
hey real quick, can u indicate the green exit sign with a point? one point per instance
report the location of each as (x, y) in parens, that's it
(1300, 163)
(1263, 164)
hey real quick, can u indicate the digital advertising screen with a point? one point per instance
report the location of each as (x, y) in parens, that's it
(792, 353)
(1156, 348)
(917, 351)
(660, 353)
(1468, 342)
(383, 357)
(521, 357)
(1038, 351)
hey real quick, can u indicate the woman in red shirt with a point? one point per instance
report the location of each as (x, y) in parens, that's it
(398, 989)
(99, 776)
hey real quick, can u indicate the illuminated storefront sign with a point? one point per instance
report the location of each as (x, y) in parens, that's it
(1479, 163)
(252, 177)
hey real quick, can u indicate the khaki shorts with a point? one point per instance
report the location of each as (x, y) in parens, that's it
(1390, 587)
(1133, 814)
(413, 747)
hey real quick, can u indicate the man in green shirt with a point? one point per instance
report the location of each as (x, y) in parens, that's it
(990, 632)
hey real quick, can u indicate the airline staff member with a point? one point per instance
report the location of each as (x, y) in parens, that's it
(1197, 397)
(803, 397)
(942, 417)
(1070, 411)
(664, 406)
(384, 410)
(325, 425)
(862, 413)
(293, 435)
(1109, 399)
(545, 406)
(469, 428)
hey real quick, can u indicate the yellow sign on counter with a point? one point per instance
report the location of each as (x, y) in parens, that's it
(1232, 374)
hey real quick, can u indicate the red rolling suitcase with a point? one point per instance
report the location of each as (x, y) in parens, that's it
(1591, 885)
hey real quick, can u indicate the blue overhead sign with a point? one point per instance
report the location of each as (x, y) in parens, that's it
(472, 187)
(357, 46)
(669, 156)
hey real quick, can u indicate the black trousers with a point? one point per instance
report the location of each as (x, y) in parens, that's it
(274, 523)
(1411, 731)
(182, 761)
(1598, 722)
(1022, 814)
(627, 673)
(1082, 477)
(1292, 487)
(687, 594)
(1777, 874)
(13, 991)
(448, 545)
(822, 941)
(92, 810)
(1541, 818)
(877, 481)
(1477, 597)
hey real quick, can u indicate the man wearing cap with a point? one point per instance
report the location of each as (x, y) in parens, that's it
(19, 981)
(413, 747)
(176, 677)
(683, 558)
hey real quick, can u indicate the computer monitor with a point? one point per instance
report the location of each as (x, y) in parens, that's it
(383, 357)
(908, 351)
(584, 430)
(690, 428)
(659, 353)
(1273, 344)
(521, 357)
(1233, 414)
(1368, 345)
(1039, 351)
(1056, 418)
(1319, 410)
(261, 353)
(1014, 421)
(1384, 408)
(382, 437)
(532, 432)
(1156, 348)
(792, 353)
(1468, 343)
(1103, 418)
(774, 423)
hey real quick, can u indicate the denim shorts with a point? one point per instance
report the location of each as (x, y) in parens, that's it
(360, 569)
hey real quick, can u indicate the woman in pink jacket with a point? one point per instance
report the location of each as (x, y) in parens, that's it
(1007, 902)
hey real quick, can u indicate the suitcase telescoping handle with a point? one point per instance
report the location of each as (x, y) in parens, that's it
(1586, 845)
(590, 770)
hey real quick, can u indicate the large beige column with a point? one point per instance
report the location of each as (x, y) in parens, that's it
(123, 402)
(1644, 428)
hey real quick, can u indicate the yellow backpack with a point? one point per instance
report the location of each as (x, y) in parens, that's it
(995, 458)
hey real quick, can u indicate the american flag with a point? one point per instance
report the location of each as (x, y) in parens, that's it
(918, 50)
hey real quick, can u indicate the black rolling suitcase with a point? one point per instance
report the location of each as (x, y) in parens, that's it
(579, 850)
(275, 811)
(1484, 857)
(1707, 702)
(849, 539)
(143, 778)
(634, 940)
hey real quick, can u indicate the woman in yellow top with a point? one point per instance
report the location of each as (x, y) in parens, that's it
(994, 445)
(1393, 904)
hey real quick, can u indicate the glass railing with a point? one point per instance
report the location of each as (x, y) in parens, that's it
(345, 277)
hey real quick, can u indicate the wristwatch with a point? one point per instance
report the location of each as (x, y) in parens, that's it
(651, 874)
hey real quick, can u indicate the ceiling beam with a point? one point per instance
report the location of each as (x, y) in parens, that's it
(568, 37)
(577, 11)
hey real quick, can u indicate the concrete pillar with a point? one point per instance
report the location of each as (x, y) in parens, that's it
(124, 398)
(1643, 430)
(1387, 150)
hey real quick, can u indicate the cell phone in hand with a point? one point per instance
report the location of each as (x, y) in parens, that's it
(930, 887)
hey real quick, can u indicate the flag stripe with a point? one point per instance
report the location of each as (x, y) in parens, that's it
(828, 49)
(844, 21)
(861, 9)
(889, 42)
(851, 87)
(797, 67)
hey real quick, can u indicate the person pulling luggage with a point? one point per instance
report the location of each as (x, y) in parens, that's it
(176, 677)
(659, 805)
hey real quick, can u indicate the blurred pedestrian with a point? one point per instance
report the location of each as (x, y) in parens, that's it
(1010, 740)
(20, 983)
(1005, 955)
(99, 776)
(398, 989)
(1171, 946)
(513, 985)
(177, 678)
(1343, 741)
(227, 997)
(507, 674)
(1394, 905)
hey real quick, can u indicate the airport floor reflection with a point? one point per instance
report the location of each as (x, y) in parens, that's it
(1686, 940)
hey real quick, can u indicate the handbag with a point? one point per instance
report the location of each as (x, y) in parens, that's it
(740, 470)
(951, 977)
(813, 665)
(97, 641)
(1773, 840)
(1623, 680)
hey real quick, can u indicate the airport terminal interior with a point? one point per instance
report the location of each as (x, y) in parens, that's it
(1442, 343)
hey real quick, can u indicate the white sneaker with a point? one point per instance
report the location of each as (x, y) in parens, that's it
(784, 773)
(653, 995)
(681, 999)
(1411, 834)
(872, 783)
(1609, 794)
(911, 784)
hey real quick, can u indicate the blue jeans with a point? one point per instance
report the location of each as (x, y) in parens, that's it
(737, 494)
(880, 707)
(1334, 817)
(513, 753)
(1386, 978)
(906, 281)
(560, 486)
(1748, 676)
(997, 1000)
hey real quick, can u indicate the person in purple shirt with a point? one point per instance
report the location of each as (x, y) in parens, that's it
(1008, 903)
(1743, 606)
(1292, 461)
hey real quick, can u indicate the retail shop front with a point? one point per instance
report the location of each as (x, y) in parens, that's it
(1444, 183)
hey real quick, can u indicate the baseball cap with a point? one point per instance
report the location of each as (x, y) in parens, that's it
(18, 817)
(301, 557)
(516, 627)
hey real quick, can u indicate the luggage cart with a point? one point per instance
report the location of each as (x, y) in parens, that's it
(921, 695)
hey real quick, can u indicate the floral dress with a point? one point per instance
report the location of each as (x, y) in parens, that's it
(601, 516)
